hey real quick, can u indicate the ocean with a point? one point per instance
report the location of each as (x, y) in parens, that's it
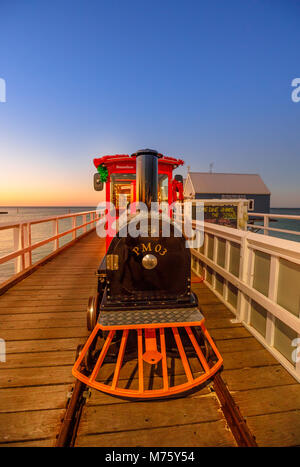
(41, 231)
(286, 224)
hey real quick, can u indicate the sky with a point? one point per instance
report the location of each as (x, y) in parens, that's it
(206, 81)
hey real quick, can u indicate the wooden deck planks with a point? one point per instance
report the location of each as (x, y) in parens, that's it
(38, 359)
(33, 398)
(43, 319)
(210, 433)
(30, 426)
(195, 420)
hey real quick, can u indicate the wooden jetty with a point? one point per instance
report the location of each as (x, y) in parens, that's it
(43, 320)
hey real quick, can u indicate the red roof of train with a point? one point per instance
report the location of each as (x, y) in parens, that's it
(111, 159)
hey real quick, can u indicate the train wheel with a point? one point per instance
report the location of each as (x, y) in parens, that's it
(208, 352)
(78, 351)
(92, 312)
(89, 361)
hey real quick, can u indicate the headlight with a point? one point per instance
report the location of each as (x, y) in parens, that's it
(149, 261)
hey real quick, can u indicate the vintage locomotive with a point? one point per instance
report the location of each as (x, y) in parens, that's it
(148, 336)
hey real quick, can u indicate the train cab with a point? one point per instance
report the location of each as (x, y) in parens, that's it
(116, 174)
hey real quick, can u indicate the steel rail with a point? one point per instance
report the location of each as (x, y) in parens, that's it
(70, 422)
(236, 422)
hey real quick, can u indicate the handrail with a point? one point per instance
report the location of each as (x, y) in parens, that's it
(7, 225)
(23, 245)
(263, 227)
(266, 220)
(281, 216)
(244, 269)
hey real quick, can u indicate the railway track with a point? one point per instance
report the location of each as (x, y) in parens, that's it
(232, 414)
(235, 421)
(70, 422)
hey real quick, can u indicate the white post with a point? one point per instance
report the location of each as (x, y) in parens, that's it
(244, 274)
(55, 232)
(266, 224)
(215, 256)
(17, 246)
(205, 250)
(73, 227)
(84, 222)
(273, 288)
(226, 267)
(249, 280)
(29, 240)
(239, 216)
(25, 257)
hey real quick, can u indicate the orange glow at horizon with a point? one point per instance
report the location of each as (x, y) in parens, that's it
(39, 192)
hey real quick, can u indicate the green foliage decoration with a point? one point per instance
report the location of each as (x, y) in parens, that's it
(103, 172)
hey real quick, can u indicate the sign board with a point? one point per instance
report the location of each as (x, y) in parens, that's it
(222, 214)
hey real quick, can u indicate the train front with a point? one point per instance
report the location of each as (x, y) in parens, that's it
(148, 338)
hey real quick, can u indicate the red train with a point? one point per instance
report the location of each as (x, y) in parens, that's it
(145, 315)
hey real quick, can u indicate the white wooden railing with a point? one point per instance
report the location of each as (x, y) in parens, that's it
(266, 223)
(258, 278)
(23, 246)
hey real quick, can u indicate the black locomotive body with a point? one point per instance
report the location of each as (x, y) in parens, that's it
(146, 271)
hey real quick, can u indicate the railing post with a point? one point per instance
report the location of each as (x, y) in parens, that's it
(26, 257)
(55, 232)
(266, 224)
(17, 246)
(205, 249)
(84, 222)
(29, 243)
(74, 227)
(215, 256)
(272, 294)
(226, 267)
(243, 301)
(249, 276)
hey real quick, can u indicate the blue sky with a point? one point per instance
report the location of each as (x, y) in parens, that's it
(208, 81)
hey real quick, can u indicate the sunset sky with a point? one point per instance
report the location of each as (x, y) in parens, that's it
(208, 81)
